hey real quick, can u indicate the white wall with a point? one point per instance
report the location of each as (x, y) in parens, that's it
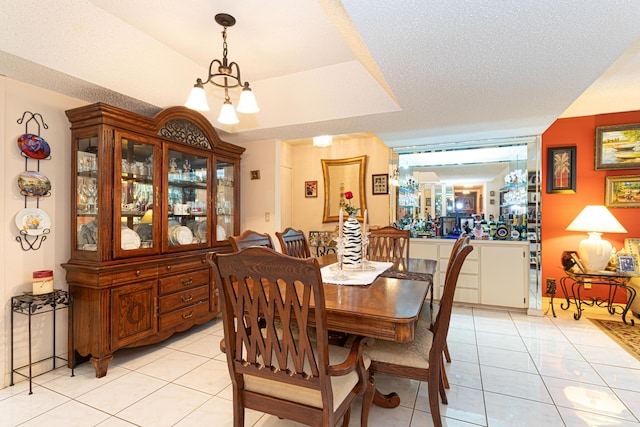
(308, 212)
(16, 265)
(260, 196)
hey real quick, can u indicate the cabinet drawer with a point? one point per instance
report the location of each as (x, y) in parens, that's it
(181, 282)
(182, 299)
(468, 281)
(180, 265)
(135, 273)
(183, 316)
(445, 252)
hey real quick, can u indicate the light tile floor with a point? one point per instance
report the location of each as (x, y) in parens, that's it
(508, 369)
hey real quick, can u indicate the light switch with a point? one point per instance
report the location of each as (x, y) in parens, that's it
(267, 217)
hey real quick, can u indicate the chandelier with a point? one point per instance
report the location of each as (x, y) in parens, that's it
(227, 76)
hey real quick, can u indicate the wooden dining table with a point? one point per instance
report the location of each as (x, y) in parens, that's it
(387, 309)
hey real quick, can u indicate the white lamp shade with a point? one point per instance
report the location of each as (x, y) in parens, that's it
(197, 99)
(322, 141)
(247, 103)
(595, 220)
(228, 114)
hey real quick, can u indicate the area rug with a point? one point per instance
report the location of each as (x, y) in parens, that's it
(626, 335)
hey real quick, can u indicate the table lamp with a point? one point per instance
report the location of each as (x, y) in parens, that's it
(595, 220)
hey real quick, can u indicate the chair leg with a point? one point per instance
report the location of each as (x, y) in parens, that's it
(367, 401)
(443, 394)
(346, 418)
(446, 352)
(445, 380)
(433, 387)
(238, 413)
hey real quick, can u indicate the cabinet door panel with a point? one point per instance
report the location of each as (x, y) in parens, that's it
(137, 182)
(187, 199)
(503, 271)
(133, 311)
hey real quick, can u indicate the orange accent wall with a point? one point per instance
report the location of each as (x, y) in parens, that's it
(558, 210)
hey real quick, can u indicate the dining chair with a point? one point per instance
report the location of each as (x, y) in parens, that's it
(421, 359)
(275, 370)
(428, 313)
(388, 244)
(294, 243)
(250, 238)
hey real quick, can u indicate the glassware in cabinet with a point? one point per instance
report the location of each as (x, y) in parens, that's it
(225, 199)
(87, 194)
(187, 198)
(136, 195)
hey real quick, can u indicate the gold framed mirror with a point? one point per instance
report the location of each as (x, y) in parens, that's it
(341, 176)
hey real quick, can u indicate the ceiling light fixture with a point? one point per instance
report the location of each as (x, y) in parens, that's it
(322, 141)
(227, 76)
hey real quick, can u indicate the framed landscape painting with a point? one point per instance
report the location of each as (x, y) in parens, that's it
(618, 147)
(622, 191)
(562, 170)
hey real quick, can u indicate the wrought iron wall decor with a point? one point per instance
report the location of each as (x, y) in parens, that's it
(33, 223)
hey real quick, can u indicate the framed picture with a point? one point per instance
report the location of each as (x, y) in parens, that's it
(627, 264)
(380, 183)
(622, 191)
(311, 189)
(562, 170)
(615, 147)
(572, 262)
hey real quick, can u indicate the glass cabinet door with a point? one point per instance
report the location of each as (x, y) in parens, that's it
(187, 198)
(136, 196)
(87, 195)
(225, 200)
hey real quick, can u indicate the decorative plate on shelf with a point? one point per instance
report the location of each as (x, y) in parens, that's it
(180, 235)
(221, 234)
(34, 221)
(34, 184)
(34, 146)
(144, 230)
(129, 239)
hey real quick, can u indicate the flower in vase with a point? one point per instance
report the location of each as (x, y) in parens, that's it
(351, 210)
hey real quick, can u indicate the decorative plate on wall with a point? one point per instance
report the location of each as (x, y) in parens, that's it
(32, 220)
(34, 184)
(34, 146)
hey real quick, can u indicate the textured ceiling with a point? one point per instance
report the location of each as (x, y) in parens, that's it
(413, 72)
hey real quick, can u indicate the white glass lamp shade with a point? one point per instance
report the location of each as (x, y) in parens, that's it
(322, 141)
(247, 103)
(197, 99)
(595, 220)
(228, 114)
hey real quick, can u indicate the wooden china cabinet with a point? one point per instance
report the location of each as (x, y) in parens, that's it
(152, 196)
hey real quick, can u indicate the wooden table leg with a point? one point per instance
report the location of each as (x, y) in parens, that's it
(391, 400)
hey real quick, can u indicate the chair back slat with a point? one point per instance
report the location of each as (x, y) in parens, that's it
(389, 244)
(250, 238)
(294, 243)
(259, 283)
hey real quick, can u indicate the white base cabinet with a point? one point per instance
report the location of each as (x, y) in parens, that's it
(496, 272)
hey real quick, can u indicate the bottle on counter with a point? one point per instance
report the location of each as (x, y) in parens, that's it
(523, 227)
(502, 230)
(515, 227)
(492, 227)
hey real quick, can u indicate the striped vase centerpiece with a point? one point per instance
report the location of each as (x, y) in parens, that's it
(352, 243)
